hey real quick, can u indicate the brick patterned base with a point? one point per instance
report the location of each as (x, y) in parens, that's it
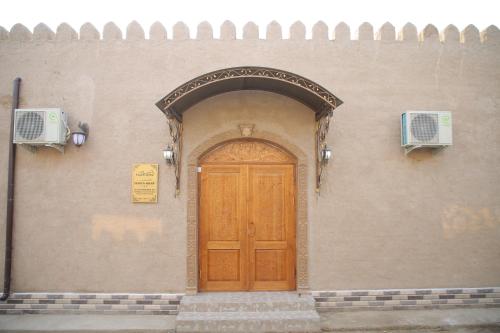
(406, 299)
(335, 300)
(73, 303)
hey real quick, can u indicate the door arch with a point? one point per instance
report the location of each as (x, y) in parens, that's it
(247, 217)
(192, 221)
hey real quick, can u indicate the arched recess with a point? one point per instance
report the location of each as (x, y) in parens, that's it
(302, 256)
(306, 91)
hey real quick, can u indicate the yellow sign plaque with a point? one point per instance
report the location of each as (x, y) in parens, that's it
(145, 183)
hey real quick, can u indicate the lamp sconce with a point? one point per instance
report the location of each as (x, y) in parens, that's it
(326, 155)
(79, 137)
(169, 155)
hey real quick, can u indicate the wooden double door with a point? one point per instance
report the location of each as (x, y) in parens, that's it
(247, 219)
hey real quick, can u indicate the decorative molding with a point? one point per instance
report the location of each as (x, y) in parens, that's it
(247, 151)
(246, 129)
(192, 204)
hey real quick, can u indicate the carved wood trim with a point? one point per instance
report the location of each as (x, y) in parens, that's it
(247, 151)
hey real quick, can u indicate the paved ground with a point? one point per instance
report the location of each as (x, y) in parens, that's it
(450, 320)
(86, 323)
(408, 321)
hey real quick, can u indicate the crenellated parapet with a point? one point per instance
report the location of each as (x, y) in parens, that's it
(341, 33)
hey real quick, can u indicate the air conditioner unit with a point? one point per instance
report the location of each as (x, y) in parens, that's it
(39, 127)
(426, 129)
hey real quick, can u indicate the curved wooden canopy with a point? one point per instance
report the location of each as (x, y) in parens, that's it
(320, 100)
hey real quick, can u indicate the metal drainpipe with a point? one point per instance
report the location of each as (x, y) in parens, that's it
(10, 195)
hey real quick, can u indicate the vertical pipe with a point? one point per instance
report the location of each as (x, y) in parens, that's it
(10, 195)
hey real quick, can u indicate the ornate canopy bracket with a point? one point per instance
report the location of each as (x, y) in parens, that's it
(175, 128)
(309, 93)
(322, 128)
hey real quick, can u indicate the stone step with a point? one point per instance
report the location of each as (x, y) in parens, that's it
(247, 302)
(255, 322)
(248, 312)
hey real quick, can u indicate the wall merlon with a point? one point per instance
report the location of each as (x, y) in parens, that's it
(408, 33)
(4, 34)
(89, 32)
(65, 32)
(204, 31)
(20, 33)
(365, 31)
(43, 32)
(251, 31)
(320, 31)
(342, 32)
(228, 30)
(180, 31)
(429, 34)
(134, 31)
(450, 35)
(157, 31)
(111, 32)
(298, 31)
(387, 32)
(273, 31)
(491, 35)
(470, 35)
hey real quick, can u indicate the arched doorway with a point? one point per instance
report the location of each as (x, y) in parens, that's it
(304, 90)
(247, 217)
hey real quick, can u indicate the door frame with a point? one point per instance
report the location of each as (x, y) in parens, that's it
(301, 176)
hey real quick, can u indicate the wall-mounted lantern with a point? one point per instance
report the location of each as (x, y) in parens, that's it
(169, 155)
(326, 154)
(79, 137)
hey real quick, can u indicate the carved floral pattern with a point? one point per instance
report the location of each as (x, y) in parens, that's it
(247, 151)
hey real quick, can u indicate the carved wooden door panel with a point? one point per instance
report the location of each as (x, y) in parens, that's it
(247, 219)
(223, 228)
(271, 227)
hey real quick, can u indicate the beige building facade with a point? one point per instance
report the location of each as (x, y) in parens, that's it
(382, 219)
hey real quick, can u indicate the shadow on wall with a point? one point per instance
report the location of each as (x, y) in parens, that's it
(458, 220)
(118, 226)
(422, 154)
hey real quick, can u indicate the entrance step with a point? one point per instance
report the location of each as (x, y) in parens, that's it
(247, 312)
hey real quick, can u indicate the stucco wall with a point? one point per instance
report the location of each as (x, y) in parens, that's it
(383, 219)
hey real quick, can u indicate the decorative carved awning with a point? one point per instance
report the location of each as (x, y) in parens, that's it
(311, 94)
(320, 100)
